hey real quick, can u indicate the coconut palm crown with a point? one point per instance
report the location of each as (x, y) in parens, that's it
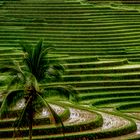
(25, 85)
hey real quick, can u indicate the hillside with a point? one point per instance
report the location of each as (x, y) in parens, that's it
(100, 47)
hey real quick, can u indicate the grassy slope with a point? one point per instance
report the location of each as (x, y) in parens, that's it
(104, 34)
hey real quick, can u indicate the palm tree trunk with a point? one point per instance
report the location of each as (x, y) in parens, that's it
(30, 117)
(30, 131)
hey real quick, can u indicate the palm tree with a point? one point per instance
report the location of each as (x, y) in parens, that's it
(35, 69)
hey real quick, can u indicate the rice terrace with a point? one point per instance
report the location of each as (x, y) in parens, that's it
(69, 69)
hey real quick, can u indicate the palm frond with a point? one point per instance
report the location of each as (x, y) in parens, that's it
(54, 72)
(13, 67)
(64, 91)
(54, 116)
(26, 47)
(20, 72)
(57, 65)
(10, 99)
(42, 62)
(17, 73)
(33, 82)
(28, 52)
(35, 58)
(36, 63)
(52, 75)
(9, 68)
(46, 50)
(35, 53)
(14, 81)
(23, 119)
(3, 109)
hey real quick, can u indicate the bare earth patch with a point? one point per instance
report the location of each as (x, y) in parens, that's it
(112, 121)
(79, 116)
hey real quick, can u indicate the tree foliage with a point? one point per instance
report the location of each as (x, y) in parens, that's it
(25, 84)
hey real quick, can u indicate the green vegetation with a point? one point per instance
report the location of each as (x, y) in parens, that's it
(98, 44)
(26, 79)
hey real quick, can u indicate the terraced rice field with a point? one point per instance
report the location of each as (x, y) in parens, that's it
(100, 47)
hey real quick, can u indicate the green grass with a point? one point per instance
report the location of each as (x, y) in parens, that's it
(98, 43)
